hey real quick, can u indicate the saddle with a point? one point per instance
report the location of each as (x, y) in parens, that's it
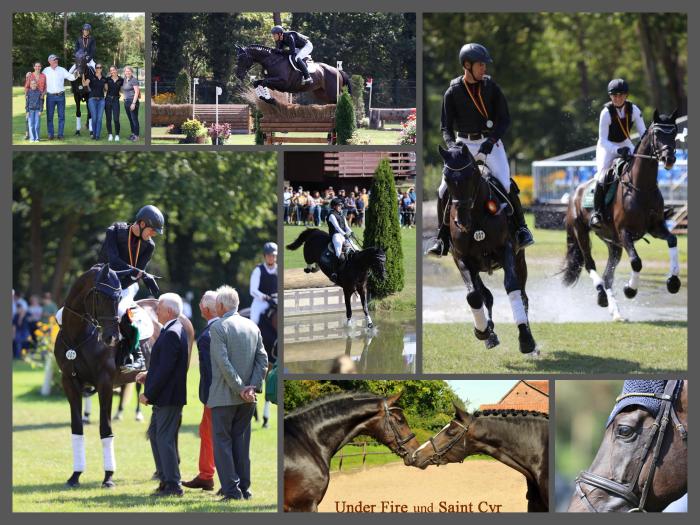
(611, 181)
(328, 259)
(310, 64)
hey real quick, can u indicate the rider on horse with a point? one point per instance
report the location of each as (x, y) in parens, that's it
(339, 231)
(475, 106)
(85, 46)
(263, 282)
(297, 45)
(130, 247)
(614, 138)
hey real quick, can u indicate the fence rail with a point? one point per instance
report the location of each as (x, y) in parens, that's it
(364, 454)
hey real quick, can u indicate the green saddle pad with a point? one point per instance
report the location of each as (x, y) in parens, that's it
(590, 191)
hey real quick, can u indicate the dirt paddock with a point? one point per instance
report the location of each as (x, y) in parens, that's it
(472, 486)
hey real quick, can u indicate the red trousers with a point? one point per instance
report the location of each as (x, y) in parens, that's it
(206, 447)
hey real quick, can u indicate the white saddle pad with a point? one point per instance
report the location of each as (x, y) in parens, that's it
(310, 65)
(141, 320)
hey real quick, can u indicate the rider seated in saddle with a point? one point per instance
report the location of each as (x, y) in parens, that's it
(85, 46)
(297, 45)
(475, 106)
(614, 139)
(339, 231)
(130, 247)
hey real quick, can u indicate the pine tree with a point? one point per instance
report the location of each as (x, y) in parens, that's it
(382, 230)
(182, 88)
(344, 118)
(259, 137)
(358, 96)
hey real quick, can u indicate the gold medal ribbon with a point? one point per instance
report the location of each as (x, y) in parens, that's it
(625, 130)
(480, 106)
(133, 261)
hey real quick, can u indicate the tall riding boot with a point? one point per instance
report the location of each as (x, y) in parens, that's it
(442, 242)
(340, 266)
(598, 202)
(524, 235)
(134, 356)
(305, 71)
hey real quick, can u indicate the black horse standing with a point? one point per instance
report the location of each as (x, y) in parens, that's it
(318, 253)
(282, 76)
(482, 242)
(80, 92)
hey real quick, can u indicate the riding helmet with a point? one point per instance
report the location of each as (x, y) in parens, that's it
(270, 248)
(617, 86)
(277, 30)
(87, 26)
(474, 52)
(153, 218)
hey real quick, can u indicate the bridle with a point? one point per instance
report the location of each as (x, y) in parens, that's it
(665, 129)
(462, 203)
(626, 491)
(438, 453)
(401, 450)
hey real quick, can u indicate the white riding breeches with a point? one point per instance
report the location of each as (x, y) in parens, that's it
(74, 66)
(604, 156)
(338, 241)
(497, 161)
(126, 299)
(258, 308)
(304, 51)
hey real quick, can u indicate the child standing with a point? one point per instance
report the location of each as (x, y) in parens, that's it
(34, 107)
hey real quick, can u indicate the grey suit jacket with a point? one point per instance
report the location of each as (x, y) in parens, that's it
(238, 359)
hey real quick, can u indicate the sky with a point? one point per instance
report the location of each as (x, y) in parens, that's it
(480, 392)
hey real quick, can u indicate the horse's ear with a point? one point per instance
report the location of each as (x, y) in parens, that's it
(465, 151)
(443, 153)
(656, 116)
(392, 400)
(460, 414)
(104, 271)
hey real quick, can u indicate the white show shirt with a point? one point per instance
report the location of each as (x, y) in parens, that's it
(606, 120)
(255, 281)
(55, 79)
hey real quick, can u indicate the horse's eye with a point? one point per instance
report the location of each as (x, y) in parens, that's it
(625, 431)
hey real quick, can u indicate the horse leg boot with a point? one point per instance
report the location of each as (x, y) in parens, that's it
(441, 246)
(515, 295)
(523, 233)
(673, 282)
(483, 328)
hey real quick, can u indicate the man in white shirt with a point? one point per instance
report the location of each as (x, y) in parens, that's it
(56, 95)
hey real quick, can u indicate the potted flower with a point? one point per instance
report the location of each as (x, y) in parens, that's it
(219, 133)
(408, 129)
(195, 132)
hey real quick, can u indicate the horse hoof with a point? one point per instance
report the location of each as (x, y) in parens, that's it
(108, 484)
(370, 325)
(482, 335)
(118, 416)
(306, 270)
(77, 132)
(630, 293)
(618, 318)
(673, 284)
(492, 341)
(86, 420)
(602, 299)
(527, 342)
(533, 355)
(74, 481)
(139, 417)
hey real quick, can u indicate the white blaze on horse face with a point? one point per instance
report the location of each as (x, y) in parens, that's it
(110, 462)
(78, 442)
(634, 280)
(596, 278)
(675, 265)
(516, 304)
(480, 320)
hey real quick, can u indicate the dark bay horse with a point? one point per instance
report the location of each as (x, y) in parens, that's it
(80, 92)
(353, 278)
(315, 433)
(517, 438)
(637, 210)
(86, 352)
(279, 74)
(482, 242)
(642, 463)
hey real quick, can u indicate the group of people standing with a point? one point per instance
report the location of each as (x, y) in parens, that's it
(104, 94)
(303, 207)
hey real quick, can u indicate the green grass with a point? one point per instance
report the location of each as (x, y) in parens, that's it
(575, 348)
(19, 119)
(366, 136)
(402, 301)
(42, 458)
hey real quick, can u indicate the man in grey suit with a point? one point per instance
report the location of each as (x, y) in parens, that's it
(239, 363)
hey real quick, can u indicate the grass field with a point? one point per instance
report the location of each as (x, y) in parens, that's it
(42, 458)
(403, 300)
(18, 124)
(374, 137)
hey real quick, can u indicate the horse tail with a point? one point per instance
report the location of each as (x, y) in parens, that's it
(346, 81)
(303, 236)
(574, 256)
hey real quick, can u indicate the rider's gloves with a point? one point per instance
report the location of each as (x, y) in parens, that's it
(486, 147)
(151, 284)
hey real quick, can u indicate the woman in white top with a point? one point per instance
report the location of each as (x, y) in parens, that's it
(339, 230)
(614, 128)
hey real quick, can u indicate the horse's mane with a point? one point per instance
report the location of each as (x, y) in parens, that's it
(331, 405)
(259, 47)
(506, 412)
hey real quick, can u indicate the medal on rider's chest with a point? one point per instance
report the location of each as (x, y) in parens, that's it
(489, 124)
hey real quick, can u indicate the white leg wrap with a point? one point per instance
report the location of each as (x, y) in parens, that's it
(675, 265)
(612, 305)
(109, 460)
(78, 442)
(480, 321)
(59, 316)
(77, 123)
(634, 280)
(516, 304)
(88, 405)
(596, 278)
(369, 320)
(266, 409)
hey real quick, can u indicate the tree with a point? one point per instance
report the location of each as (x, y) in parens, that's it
(382, 230)
(182, 88)
(344, 118)
(358, 96)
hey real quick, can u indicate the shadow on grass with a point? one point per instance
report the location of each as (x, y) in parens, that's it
(40, 426)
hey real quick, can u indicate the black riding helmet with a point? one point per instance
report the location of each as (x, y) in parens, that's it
(277, 30)
(336, 201)
(87, 27)
(474, 52)
(617, 86)
(153, 218)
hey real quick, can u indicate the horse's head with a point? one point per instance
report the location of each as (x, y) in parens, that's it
(662, 134)
(390, 427)
(625, 459)
(105, 302)
(378, 265)
(81, 61)
(461, 176)
(244, 61)
(450, 445)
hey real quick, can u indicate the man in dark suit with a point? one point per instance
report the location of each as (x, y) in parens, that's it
(205, 479)
(166, 389)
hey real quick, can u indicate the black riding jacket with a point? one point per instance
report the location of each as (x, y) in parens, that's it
(115, 251)
(88, 45)
(459, 113)
(292, 40)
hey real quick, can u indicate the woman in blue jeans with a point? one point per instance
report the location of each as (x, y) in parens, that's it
(96, 102)
(131, 92)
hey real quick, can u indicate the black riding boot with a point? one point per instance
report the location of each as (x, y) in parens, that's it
(442, 242)
(134, 357)
(305, 71)
(523, 233)
(340, 266)
(598, 200)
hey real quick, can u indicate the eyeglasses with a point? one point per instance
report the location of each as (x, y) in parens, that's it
(98, 67)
